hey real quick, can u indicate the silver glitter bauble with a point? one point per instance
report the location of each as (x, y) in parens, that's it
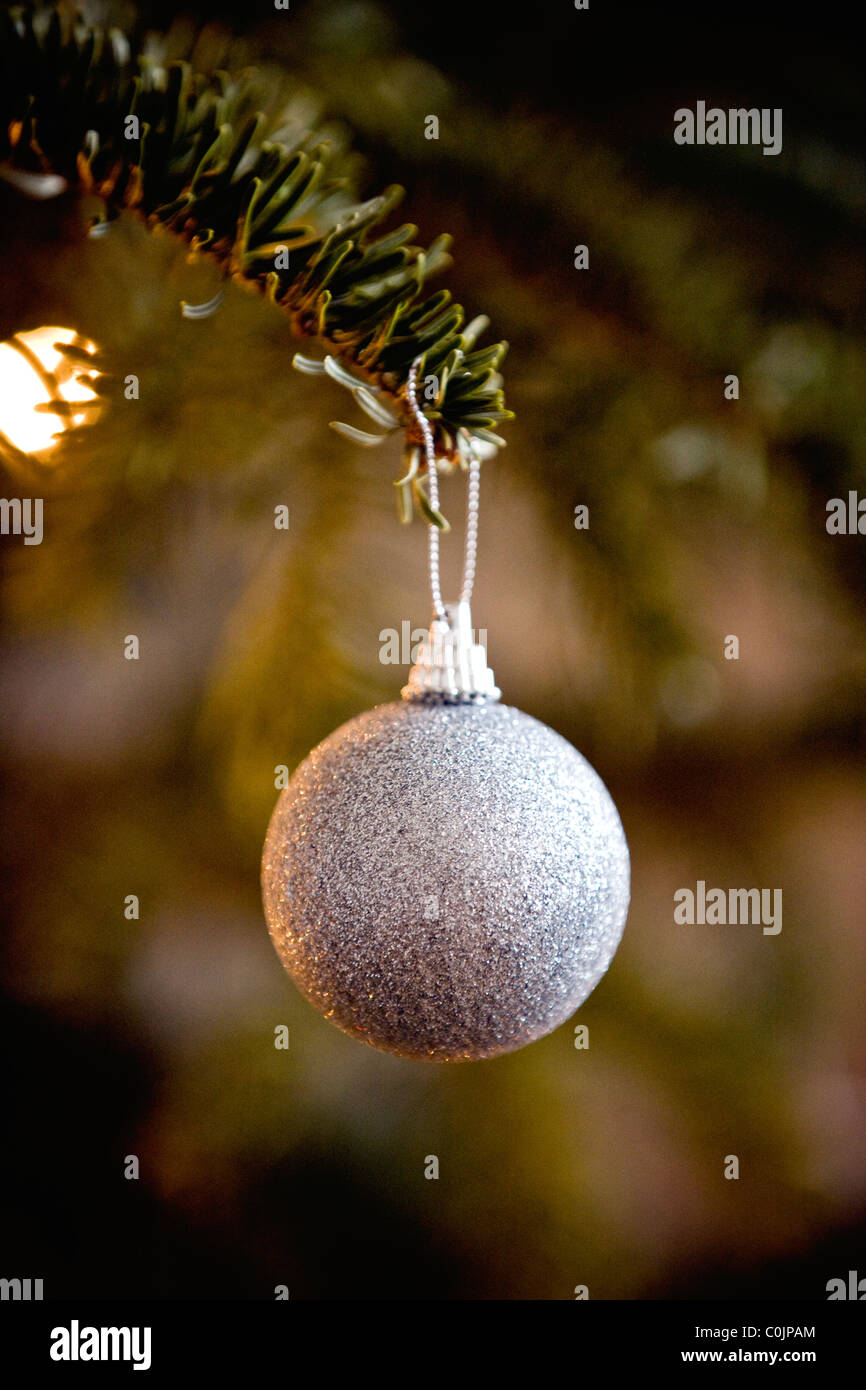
(446, 881)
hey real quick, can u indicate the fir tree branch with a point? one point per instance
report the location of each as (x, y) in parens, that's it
(271, 208)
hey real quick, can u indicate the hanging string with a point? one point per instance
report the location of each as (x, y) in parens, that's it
(472, 505)
(471, 548)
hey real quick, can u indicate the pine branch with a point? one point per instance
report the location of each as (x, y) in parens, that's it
(191, 152)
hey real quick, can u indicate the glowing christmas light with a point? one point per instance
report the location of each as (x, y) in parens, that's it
(38, 381)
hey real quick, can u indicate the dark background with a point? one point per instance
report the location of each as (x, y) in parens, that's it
(559, 1167)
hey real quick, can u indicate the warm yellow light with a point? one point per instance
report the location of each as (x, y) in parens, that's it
(34, 372)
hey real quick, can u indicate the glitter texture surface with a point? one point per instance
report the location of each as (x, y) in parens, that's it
(445, 881)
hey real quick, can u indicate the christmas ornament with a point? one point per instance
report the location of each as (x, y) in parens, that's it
(445, 877)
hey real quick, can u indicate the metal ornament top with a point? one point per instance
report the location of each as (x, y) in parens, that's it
(451, 667)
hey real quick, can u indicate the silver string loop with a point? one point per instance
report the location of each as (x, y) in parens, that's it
(472, 506)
